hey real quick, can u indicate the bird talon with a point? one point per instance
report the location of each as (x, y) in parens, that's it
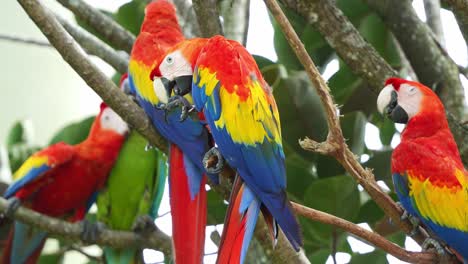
(437, 245)
(13, 204)
(91, 231)
(213, 161)
(143, 225)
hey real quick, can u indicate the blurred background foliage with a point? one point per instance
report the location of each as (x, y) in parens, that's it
(313, 180)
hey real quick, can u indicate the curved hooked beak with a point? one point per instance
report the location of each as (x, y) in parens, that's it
(387, 103)
(164, 87)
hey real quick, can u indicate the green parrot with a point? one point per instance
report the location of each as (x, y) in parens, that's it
(133, 193)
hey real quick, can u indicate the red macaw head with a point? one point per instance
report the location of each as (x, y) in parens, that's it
(175, 72)
(108, 125)
(402, 100)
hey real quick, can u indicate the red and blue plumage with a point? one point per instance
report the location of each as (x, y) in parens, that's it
(62, 181)
(428, 173)
(243, 118)
(189, 140)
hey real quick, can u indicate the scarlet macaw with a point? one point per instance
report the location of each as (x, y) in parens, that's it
(228, 88)
(428, 174)
(133, 192)
(188, 140)
(61, 181)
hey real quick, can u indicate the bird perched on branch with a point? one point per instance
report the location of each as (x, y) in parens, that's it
(62, 181)
(427, 170)
(229, 90)
(133, 193)
(188, 140)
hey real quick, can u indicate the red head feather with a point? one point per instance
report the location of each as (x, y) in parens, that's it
(103, 106)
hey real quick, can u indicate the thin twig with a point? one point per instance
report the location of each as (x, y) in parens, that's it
(97, 47)
(335, 144)
(373, 238)
(116, 239)
(74, 55)
(25, 41)
(104, 25)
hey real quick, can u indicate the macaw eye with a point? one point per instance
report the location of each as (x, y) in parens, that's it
(412, 90)
(169, 60)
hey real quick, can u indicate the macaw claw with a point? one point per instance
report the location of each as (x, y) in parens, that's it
(434, 243)
(213, 161)
(13, 204)
(175, 102)
(413, 220)
(144, 224)
(91, 231)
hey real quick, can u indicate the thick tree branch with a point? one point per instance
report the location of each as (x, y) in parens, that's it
(236, 14)
(357, 53)
(373, 238)
(74, 55)
(104, 25)
(460, 10)
(432, 9)
(208, 17)
(94, 46)
(430, 62)
(345, 39)
(187, 19)
(335, 144)
(117, 239)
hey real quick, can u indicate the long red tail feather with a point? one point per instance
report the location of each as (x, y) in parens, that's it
(188, 216)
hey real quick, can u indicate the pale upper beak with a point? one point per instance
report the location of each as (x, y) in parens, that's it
(387, 104)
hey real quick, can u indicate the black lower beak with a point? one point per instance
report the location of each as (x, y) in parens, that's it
(168, 85)
(395, 112)
(184, 85)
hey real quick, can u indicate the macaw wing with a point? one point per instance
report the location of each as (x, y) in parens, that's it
(241, 111)
(38, 165)
(442, 208)
(243, 117)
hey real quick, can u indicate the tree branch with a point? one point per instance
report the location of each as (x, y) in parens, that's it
(335, 144)
(104, 25)
(432, 9)
(116, 239)
(431, 63)
(236, 14)
(187, 18)
(371, 237)
(208, 17)
(94, 46)
(25, 41)
(460, 10)
(345, 39)
(74, 55)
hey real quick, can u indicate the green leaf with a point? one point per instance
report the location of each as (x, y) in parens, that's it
(335, 195)
(18, 134)
(130, 15)
(301, 112)
(376, 33)
(216, 209)
(299, 172)
(386, 131)
(319, 256)
(355, 10)
(50, 258)
(73, 133)
(370, 213)
(343, 84)
(314, 43)
(353, 126)
(380, 162)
